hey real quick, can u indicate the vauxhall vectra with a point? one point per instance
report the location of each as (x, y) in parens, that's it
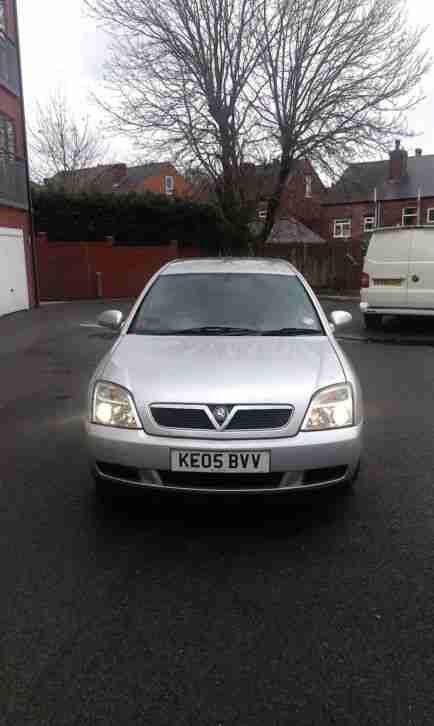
(226, 377)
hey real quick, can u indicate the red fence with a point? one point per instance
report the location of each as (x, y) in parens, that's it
(87, 270)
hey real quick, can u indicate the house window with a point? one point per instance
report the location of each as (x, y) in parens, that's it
(169, 184)
(409, 216)
(308, 192)
(430, 215)
(368, 223)
(8, 144)
(2, 17)
(342, 228)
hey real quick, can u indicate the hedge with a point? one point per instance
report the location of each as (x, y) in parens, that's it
(131, 219)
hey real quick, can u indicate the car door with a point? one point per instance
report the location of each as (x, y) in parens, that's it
(421, 270)
(387, 263)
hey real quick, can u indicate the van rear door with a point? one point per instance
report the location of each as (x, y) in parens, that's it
(387, 264)
(421, 270)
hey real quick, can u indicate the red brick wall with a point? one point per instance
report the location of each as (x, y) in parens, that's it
(295, 203)
(10, 19)
(67, 270)
(156, 184)
(390, 214)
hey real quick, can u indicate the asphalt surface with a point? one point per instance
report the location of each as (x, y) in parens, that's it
(163, 611)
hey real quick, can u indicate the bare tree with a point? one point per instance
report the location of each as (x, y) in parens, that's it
(61, 145)
(338, 77)
(180, 72)
(223, 82)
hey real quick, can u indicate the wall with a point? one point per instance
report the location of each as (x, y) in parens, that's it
(156, 184)
(10, 19)
(68, 270)
(390, 214)
(295, 203)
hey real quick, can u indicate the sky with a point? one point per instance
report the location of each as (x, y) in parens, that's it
(61, 46)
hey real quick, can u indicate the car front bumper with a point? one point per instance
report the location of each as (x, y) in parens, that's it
(335, 455)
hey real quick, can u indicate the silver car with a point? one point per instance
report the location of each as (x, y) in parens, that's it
(225, 377)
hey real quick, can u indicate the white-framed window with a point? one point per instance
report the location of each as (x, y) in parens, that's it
(430, 215)
(409, 216)
(342, 228)
(8, 143)
(308, 192)
(169, 184)
(2, 17)
(368, 223)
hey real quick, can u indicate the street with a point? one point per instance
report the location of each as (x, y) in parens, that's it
(181, 611)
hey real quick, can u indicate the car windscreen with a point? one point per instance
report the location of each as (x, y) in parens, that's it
(227, 304)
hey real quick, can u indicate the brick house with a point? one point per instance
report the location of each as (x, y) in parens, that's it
(157, 177)
(301, 198)
(17, 267)
(394, 192)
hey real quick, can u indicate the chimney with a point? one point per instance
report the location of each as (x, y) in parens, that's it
(398, 162)
(418, 152)
(119, 172)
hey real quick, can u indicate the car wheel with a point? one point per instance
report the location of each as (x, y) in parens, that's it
(373, 322)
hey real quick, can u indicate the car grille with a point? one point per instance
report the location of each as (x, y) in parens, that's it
(265, 418)
(244, 419)
(181, 418)
(197, 480)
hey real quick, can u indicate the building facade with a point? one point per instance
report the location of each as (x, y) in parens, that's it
(17, 268)
(389, 193)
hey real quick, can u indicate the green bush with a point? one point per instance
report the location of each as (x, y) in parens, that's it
(131, 219)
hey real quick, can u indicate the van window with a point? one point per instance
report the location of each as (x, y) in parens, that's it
(409, 216)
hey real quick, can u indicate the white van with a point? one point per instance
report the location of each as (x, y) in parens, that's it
(398, 274)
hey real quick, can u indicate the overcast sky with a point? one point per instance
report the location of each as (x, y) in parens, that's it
(59, 45)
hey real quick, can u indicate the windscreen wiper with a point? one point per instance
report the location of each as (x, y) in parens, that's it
(215, 330)
(290, 331)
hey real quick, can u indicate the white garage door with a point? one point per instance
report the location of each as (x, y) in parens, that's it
(14, 293)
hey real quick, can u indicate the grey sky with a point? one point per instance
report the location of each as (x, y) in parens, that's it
(60, 45)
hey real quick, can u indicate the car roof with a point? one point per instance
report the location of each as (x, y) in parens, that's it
(247, 265)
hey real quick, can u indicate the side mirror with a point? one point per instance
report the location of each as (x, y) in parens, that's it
(340, 317)
(111, 319)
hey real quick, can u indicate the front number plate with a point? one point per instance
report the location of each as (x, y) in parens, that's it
(225, 462)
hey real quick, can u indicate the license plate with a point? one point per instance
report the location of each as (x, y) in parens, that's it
(387, 282)
(224, 462)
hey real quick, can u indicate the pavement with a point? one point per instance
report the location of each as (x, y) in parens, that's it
(159, 611)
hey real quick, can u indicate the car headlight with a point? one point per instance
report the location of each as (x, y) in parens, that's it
(113, 405)
(331, 408)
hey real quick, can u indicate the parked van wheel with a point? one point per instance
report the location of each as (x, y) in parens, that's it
(373, 322)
